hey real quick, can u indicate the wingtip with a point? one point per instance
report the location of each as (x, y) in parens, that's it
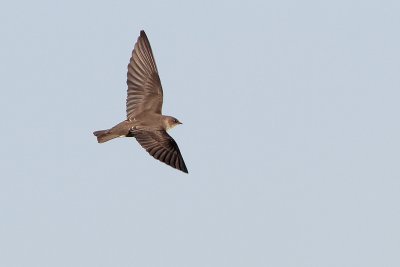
(183, 167)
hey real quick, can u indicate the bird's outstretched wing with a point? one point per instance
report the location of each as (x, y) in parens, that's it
(161, 146)
(144, 86)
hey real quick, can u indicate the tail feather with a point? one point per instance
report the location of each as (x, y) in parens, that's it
(104, 136)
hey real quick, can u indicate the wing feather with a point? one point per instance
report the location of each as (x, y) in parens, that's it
(161, 146)
(145, 92)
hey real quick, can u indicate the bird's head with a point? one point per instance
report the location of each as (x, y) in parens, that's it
(170, 122)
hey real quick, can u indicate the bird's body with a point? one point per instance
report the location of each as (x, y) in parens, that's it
(143, 105)
(145, 122)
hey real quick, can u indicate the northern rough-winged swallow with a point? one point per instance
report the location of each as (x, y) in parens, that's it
(143, 107)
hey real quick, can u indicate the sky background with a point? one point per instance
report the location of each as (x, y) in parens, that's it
(291, 134)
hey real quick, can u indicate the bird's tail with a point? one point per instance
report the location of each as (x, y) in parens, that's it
(104, 135)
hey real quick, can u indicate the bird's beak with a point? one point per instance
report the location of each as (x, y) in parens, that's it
(180, 122)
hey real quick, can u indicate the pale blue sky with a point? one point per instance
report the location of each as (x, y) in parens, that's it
(291, 135)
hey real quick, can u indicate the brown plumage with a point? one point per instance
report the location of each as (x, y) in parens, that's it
(144, 102)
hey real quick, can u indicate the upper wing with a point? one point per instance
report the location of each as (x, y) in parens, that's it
(144, 86)
(161, 146)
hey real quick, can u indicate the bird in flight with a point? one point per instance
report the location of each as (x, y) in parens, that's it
(144, 102)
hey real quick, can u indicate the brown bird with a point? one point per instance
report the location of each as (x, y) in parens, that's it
(143, 107)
